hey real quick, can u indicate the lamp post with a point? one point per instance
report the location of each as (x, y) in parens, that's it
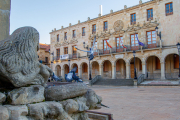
(87, 47)
(69, 64)
(89, 70)
(134, 53)
(158, 34)
(178, 47)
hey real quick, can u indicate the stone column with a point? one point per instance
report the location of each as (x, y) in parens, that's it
(162, 70)
(127, 70)
(80, 72)
(113, 71)
(62, 73)
(5, 6)
(144, 69)
(101, 70)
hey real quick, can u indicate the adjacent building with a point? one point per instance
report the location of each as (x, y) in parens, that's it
(157, 59)
(43, 54)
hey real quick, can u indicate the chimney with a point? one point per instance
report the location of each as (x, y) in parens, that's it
(100, 10)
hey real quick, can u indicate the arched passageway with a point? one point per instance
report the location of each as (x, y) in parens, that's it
(66, 69)
(73, 66)
(95, 69)
(107, 69)
(120, 69)
(153, 66)
(172, 66)
(138, 66)
(84, 71)
(58, 70)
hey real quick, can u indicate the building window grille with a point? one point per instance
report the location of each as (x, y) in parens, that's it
(58, 38)
(58, 53)
(46, 59)
(149, 14)
(74, 50)
(83, 31)
(74, 33)
(66, 50)
(95, 46)
(65, 36)
(105, 26)
(169, 8)
(151, 38)
(133, 18)
(93, 29)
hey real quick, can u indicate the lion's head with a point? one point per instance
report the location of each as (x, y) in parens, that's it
(18, 53)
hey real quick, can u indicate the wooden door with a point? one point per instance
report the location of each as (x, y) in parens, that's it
(132, 70)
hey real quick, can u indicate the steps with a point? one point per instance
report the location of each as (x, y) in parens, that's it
(115, 82)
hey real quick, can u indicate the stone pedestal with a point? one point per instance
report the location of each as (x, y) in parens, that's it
(4, 18)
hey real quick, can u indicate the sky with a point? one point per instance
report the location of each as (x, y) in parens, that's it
(45, 15)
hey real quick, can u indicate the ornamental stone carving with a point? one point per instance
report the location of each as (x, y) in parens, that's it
(118, 25)
(19, 65)
(150, 24)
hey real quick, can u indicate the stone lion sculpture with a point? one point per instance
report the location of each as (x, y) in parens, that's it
(19, 65)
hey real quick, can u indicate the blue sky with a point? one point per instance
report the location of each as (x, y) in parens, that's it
(45, 15)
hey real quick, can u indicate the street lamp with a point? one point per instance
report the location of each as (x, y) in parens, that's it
(178, 47)
(89, 70)
(158, 34)
(69, 64)
(134, 53)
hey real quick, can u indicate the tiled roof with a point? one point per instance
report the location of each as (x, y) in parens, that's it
(46, 46)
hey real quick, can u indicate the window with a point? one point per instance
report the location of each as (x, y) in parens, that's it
(106, 47)
(58, 38)
(169, 8)
(65, 36)
(119, 42)
(74, 50)
(176, 61)
(66, 50)
(151, 37)
(74, 33)
(58, 53)
(149, 14)
(95, 46)
(46, 59)
(158, 65)
(83, 31)
(134, 41)
(93, 29)
(133, 18)
(105, 26)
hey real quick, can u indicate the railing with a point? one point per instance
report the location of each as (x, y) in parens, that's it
(172, 75)
(95, 79)
(114, 50)
(153, 75)
(140, 79)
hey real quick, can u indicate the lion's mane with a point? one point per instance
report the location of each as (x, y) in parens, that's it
(18, 53)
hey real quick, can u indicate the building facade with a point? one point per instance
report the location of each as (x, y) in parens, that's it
(157, 59)
(43, 54)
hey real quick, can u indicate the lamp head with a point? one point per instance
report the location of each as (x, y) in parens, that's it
(134, 53)
(156, 29)
(178, 46)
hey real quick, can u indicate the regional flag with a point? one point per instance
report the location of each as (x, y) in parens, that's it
(108, 44)
(140, 43)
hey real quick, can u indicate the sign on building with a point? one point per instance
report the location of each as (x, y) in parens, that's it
(119, 56)
(66, 56)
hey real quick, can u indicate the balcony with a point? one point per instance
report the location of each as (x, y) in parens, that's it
(114, 50)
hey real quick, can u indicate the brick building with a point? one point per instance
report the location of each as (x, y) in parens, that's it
(157, 59)
(43, 54)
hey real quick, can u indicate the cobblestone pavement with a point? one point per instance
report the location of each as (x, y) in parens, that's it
(141, 103)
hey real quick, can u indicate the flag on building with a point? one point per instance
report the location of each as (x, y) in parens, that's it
(108, 44)
(122, 44)
(140, 43)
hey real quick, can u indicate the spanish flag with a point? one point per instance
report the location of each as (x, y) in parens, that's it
(108, 44)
